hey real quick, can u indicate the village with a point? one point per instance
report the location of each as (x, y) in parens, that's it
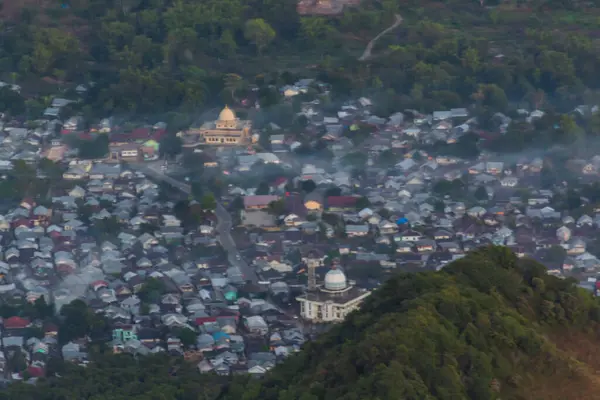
(306, 224)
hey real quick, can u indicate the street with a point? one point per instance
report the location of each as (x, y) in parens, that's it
(153, 170)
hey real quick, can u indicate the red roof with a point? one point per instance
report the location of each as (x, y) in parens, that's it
(50, 327)
(279, 181)
(98, 284)
(21, 222)
(138, 134)
(36, 372)
(16, 323)
(341, 201)
(158, 134)
(259, 200)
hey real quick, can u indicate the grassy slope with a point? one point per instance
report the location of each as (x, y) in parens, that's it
(488, 327)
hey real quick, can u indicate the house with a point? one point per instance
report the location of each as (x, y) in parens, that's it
(425, 245)
(387, 227)
(509, 181)
(73, 352)
(259, 202)
(125, 152)
(16, 323)
(256, 325)
(494, 168)
(357, 230)
(125, 333)
(409, 236)
(442, 235)
(563, 234)
(341, 203)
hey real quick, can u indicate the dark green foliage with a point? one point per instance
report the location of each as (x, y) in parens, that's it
(208, 202)
(308, 186)
(263, 188)
(481, 193)
(467, 331)
(170, 146)
(122, 377)
(187, 336)
(152, 290)
(92, 149)
(79, 321)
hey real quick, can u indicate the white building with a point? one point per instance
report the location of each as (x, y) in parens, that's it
(333, 301)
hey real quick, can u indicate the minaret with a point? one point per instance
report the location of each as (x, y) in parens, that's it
(312, 277)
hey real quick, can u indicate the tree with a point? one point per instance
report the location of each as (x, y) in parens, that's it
(259, 32)
(152, 289)
(334, 191)
(308, 185)
(263, 188)
(208, 202)
(316, 31)
(197, 189)
(277, 207)
(78, 321)
(355, 159)
(170, 145)
(492, 96)
(43, 309)
(569, 129)
(573, 200)
(387, 159)
(481, 193)
(93, 149)
(237, 203)
(51, 169)
(555, 254)
(362, 203)
(188, 337)
(233, 83)
(227, 44)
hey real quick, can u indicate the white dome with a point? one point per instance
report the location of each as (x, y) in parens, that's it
(335, 280)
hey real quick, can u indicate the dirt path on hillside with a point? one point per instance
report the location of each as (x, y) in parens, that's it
(367, 53)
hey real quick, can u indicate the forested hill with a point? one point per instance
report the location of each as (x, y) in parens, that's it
(486, 327)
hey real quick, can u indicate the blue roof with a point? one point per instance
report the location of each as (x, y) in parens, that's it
(219, 335)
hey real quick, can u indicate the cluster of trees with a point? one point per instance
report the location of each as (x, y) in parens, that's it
(23, 180)
(152, 56)
(122, 377)
(473, 330)
(144, 56)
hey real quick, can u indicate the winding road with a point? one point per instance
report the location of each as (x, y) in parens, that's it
(246, 272)
(366, 55)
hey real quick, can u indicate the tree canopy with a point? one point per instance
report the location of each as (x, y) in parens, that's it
(477, 329)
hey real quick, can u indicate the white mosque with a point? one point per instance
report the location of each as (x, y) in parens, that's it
(333, 301)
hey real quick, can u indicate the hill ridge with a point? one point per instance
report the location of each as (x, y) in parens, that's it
(488, 326)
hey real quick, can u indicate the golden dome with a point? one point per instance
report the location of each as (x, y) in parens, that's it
(226, 115)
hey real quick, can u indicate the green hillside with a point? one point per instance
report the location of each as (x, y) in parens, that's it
(486, 327)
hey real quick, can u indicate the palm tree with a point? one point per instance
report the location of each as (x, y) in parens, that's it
(233, 83)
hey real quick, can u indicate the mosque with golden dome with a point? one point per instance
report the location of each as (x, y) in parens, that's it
(226, 130)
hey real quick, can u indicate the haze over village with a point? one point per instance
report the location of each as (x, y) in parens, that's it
(234, 240)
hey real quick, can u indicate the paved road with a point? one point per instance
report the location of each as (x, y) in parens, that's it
(223, 220)
(367, 53)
